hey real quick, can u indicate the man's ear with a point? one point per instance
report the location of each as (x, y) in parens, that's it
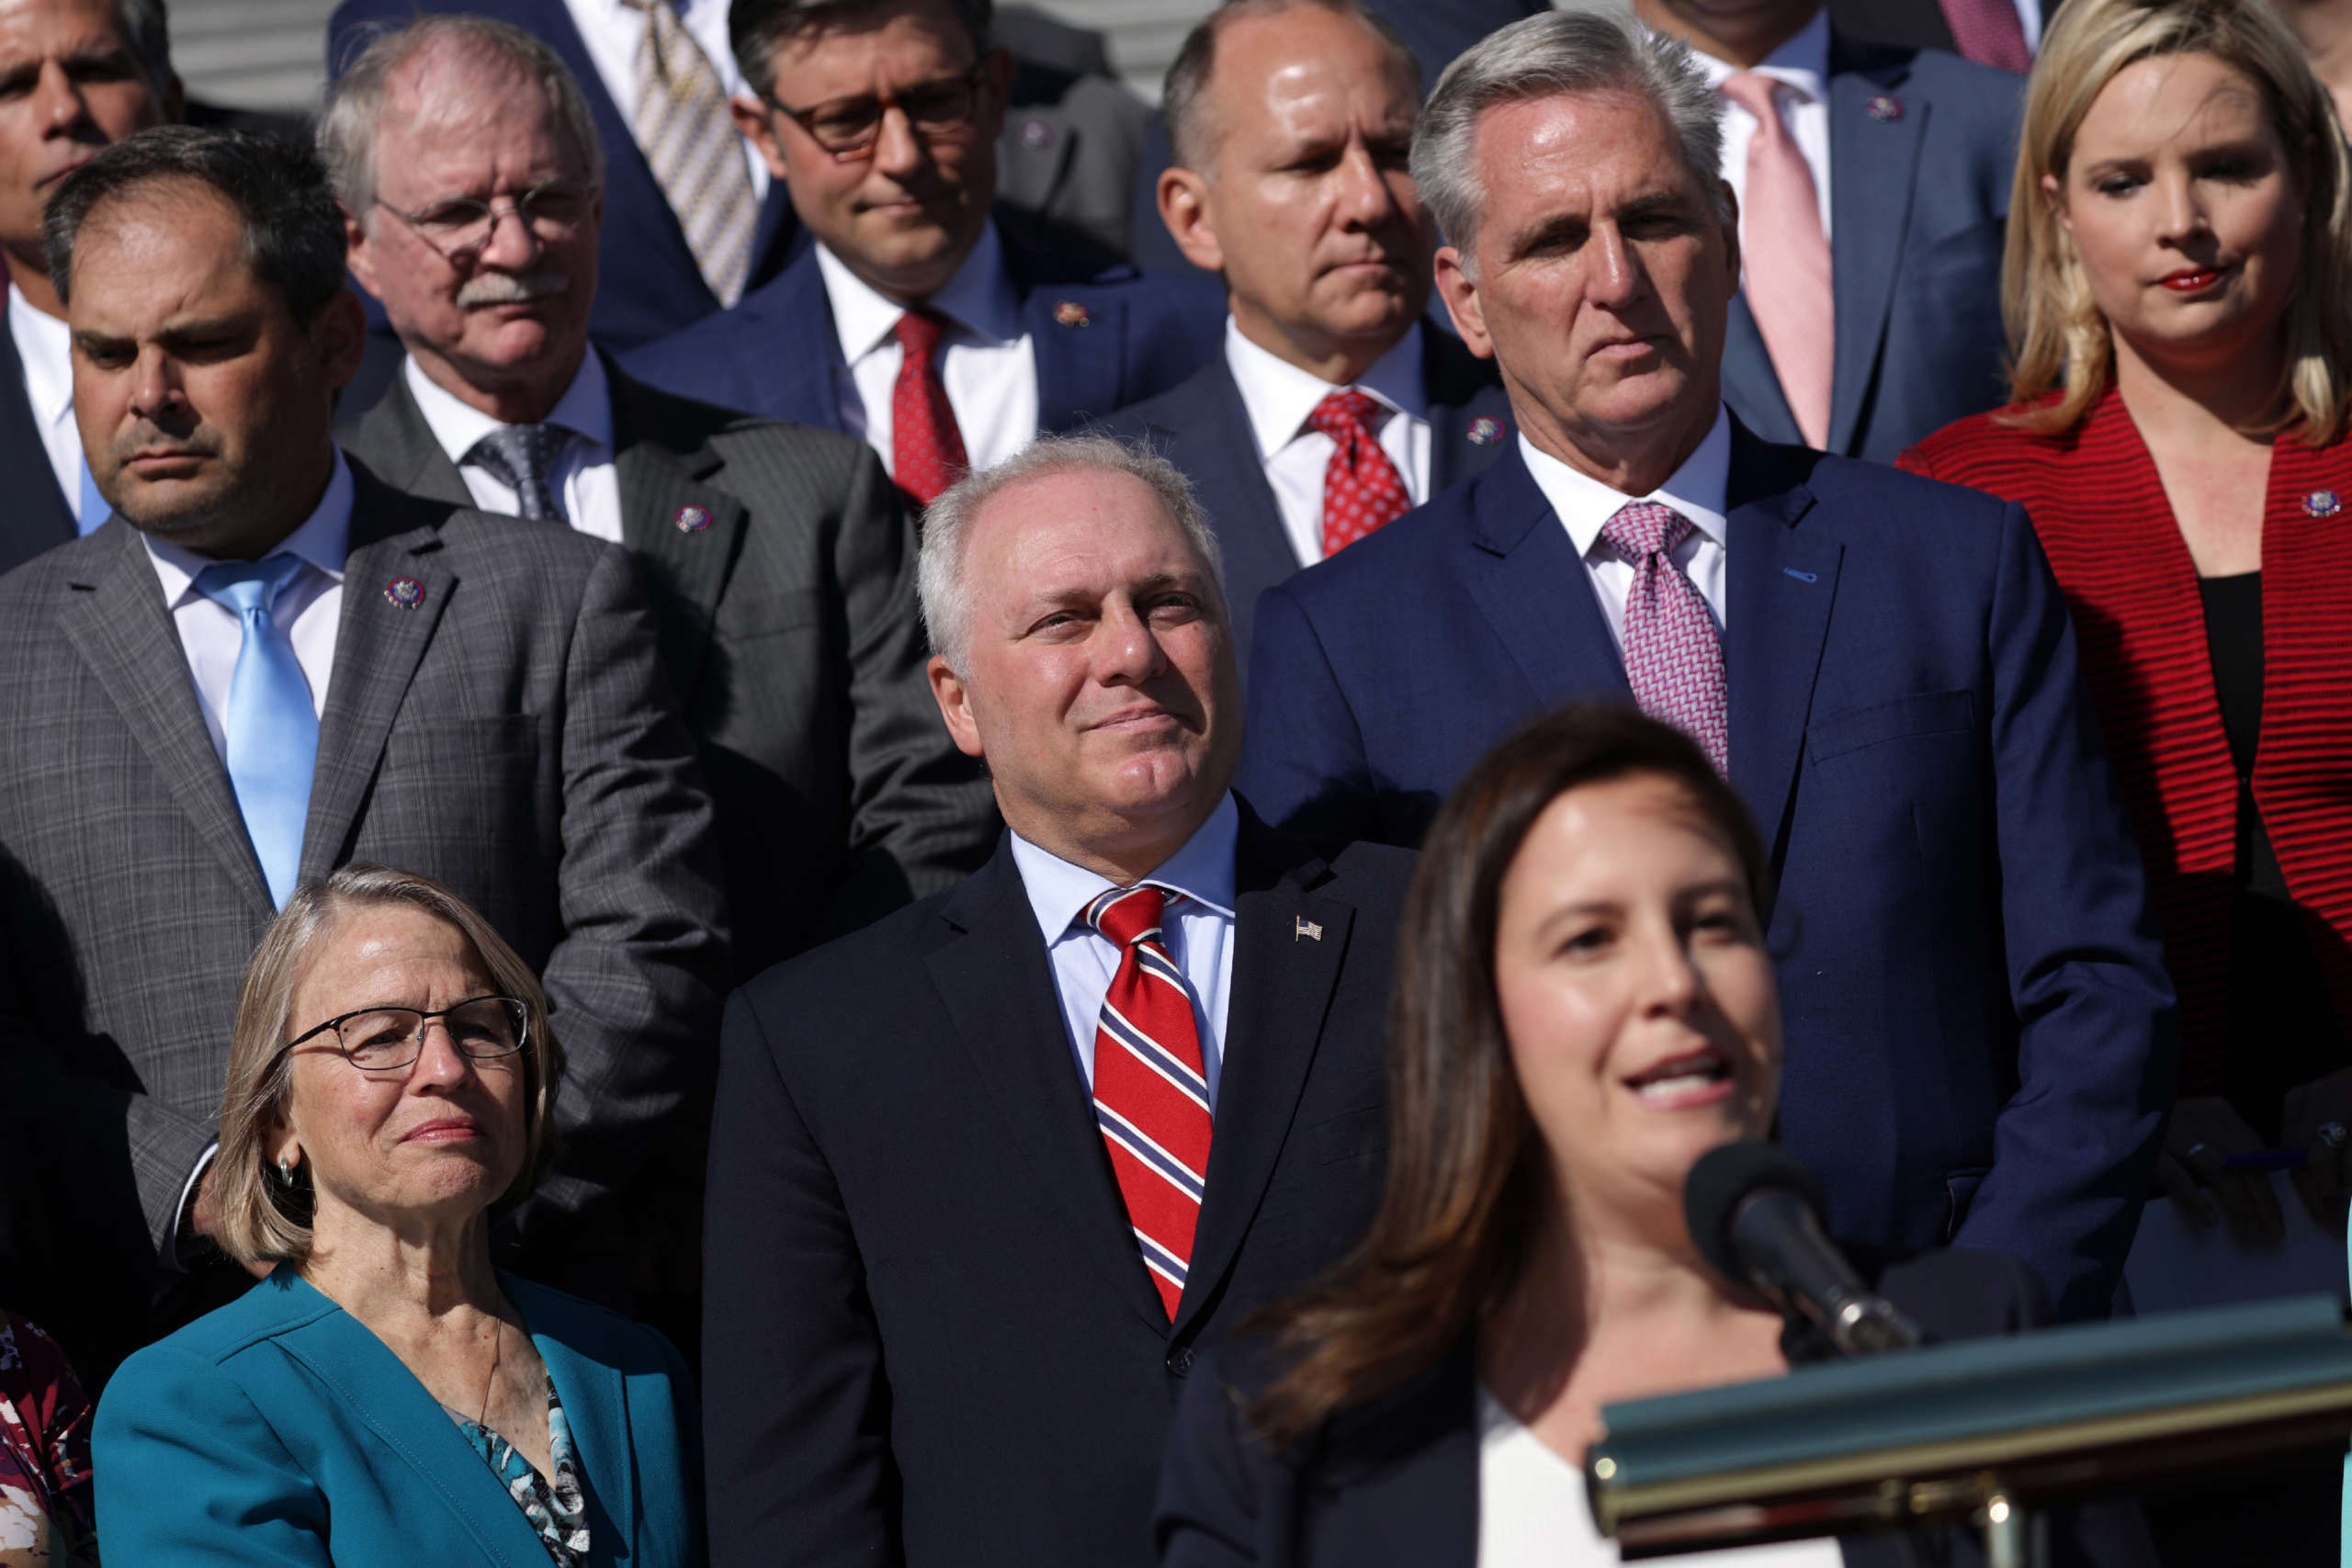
(360, 253)
(752, 119)
(955, 700)
(1183, 208)
(1461, 302)
(340, 334)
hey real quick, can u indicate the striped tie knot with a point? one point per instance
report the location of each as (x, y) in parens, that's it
(1641, 529)
(1127, 916)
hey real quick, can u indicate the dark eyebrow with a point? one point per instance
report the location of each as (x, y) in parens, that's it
(1562, 226)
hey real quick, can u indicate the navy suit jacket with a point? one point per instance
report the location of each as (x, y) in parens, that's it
(1105, 336)
(647, 282)
(1395, 1482)
(1202, 427)
(1922, 149)
(1981, 1036)
(39, 516)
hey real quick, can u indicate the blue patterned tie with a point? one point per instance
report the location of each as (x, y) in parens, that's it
(273, 731)
(95, 510)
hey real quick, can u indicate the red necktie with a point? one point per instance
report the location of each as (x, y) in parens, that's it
(926, 450)
(1361, 489)
(1990, 32)
(1151, 1096)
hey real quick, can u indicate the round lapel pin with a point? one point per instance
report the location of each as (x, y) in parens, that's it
(1885, 109)
(2322, 503)
(1486, 430)
(405, 591)
(693, 519)
(1070, 314)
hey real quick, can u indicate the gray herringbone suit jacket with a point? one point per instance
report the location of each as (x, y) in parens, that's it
(789, 628)
(509, 734)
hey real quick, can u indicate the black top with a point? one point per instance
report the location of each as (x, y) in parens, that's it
(2282, 1030)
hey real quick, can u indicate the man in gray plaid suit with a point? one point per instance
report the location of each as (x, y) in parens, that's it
(781, 563)
(267, 664)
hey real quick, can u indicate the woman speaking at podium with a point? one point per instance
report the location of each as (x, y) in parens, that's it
(1584, 1007)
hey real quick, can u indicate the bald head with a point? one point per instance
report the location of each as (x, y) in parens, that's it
(1193, 124)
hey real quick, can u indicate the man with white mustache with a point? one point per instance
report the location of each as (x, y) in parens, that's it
(780, 560)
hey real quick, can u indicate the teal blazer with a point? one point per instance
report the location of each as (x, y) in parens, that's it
(279, 1430)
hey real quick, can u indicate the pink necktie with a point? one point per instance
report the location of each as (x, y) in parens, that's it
(1673, 660)
(1787, 258)
(1989, 33)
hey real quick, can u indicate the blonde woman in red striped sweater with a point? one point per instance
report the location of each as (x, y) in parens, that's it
(2178, 293)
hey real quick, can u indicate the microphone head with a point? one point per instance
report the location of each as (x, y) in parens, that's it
(1724, 1179)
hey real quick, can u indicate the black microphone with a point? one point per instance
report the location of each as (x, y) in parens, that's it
(1755, 1214)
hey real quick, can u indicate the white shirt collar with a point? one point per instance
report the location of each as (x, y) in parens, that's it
(323, 542)
(1279, 395)
(1584, 505)
(1202, 870)
(1802, 61)
(978, 298)
(45, 346)
(585, 409)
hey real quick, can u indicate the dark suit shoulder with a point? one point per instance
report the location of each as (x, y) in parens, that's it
(598, 1332)
(77, 561)
(1892, 502)
(1164, 413)
(1375, 873)
(684, 424)
(1400, 554)
(867, 968)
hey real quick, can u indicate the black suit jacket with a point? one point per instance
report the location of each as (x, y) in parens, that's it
(37, 514)
(929, 1337)
(1202, 427)
(1396, 1480)
(790, 634)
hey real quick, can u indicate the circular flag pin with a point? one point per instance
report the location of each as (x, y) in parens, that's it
(1070, 314)
(1883, 109)
(405, 591)
(2322, 503)
(693, 519)
(1038, 134)
(1486, 430)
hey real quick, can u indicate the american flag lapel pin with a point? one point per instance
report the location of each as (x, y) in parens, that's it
(1307, 928)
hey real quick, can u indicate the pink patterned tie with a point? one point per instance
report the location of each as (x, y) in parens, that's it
(1673, 660)
(1787, 258)
(1990, 32)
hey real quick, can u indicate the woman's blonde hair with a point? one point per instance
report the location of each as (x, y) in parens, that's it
(262, 1220)
(2060, 341)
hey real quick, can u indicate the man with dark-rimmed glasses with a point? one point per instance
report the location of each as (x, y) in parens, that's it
(943, 330)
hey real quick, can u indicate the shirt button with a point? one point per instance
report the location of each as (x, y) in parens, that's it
(1180, 1362)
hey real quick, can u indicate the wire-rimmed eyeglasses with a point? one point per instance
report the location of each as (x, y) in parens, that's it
(463, 225)
(387, 1039)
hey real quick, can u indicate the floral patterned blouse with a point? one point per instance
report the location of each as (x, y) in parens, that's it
(45, 1513)
(558, 1509)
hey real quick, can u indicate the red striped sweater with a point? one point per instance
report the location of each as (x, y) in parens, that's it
(2101, 510)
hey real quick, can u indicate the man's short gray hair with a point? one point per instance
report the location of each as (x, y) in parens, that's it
(356, 98)
(1557, 53)
(947, 522)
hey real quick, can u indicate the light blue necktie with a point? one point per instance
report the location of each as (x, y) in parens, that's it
(273, 731)
(95, 510)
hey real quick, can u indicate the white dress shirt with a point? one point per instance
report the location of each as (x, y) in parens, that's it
(1533, 1511)
(1279, 396)
(1803, 64)
(988, 363)
(611, 32)
(1198, 933)
(585, 483)
(44, 346)
(306, 609)
(1696, 490)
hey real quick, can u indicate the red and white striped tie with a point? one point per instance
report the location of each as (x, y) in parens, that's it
(1151, 1096)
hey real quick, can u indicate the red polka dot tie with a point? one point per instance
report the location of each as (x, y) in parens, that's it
(1674, 659)
(926, 448)
(1361, 489)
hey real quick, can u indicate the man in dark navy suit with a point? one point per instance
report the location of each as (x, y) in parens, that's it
(641, 63)
(943, 330)
(76, 75)
(1899, 163)
(986, 1174)
(1333, 409)
(1982, 1037)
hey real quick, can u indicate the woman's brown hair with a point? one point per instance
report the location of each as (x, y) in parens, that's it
(1463, 1160)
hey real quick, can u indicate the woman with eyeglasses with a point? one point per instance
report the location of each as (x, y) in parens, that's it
(385, 1394)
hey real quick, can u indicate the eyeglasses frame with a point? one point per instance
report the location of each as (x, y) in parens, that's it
(588, 190)
(521, 1033)
(974, 77)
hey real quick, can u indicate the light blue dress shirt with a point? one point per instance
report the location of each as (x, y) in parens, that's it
(1198, 933)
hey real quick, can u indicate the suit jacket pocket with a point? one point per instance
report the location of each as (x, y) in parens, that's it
(742, 616)
(1923, 713)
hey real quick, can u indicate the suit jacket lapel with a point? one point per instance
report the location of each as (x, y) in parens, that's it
(1534, 591)
(379, 642)
(686, 532)
(998, 988)
(1461, 390)
(1751, 384)
(787, 345)
(119, 624)
(1282, 990)
(595, 1406)
(41, 515)
(1216, 434)
(1078, 353)
(400, 448)
(1782, 583)
(1875, 162)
